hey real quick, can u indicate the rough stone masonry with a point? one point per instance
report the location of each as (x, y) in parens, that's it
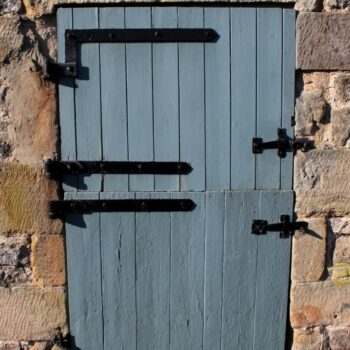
(32, 263)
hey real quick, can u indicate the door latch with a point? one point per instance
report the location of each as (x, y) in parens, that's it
(286, 227)
(282, 144)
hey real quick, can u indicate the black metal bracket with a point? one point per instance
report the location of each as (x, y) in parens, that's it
(73, 37)
(282, 144)
(58, 208)
(286, 228)
(55, 169)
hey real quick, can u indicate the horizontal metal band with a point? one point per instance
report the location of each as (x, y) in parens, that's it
(55, 169)
(141, 35)
(73, 37)
(59, 208)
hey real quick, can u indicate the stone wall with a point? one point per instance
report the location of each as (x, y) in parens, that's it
(32, 266)
(320, 291)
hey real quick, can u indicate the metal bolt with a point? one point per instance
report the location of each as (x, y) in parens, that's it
(72, 36)
(111, 35)
(143, 206)
(156, 34)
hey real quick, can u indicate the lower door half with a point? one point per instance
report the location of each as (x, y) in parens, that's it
(179, 280)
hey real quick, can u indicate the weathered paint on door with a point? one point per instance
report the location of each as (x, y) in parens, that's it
(196, 280)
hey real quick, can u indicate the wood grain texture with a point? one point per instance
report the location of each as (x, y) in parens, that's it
(66, 100)
(113, 99)
(118, 250)
(87, 99)
(288, 87)
(192, 112)
(243, 97)
(166, 98)
(153, 279)
(84, 276)
(240, 248)
(139, 93)
(187, 275)
(269, 78)
(272, 274)
(217, 101)
(213, 269)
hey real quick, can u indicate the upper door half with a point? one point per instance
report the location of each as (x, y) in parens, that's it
(201, 103)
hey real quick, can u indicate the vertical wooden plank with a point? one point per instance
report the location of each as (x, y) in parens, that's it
(288, 84)
(153, 277)
(192, 113)
(217, 100)
(84, 277)
(165, 98)
(119, 278)
(139, 97)
(269, 94)
(213, 269)
(187, 275)
(87, 99)
(113, 99)
(243, 97)
(239, 271)
(272, 277)
(66, 99)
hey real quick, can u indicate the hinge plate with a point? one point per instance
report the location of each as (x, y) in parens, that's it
(73, 37)
(59, 208)
(55, 169)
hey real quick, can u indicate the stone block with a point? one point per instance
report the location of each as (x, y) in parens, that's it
(340, 90)
(309, 252)
(342, 250)
(10, 38)
(14, 250)
(32, 130)
(321, 182)
(340, 226)
(323, 41)
(24, 196)
(339, 338)
(10, 345)
(340, 121)
(309, 111)
(14, 260)
(320, 303)
(340, 273)
(31, 313)
(48, 260)
(307, 339)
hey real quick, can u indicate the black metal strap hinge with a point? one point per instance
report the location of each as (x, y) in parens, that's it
(155, 35)
(55, 169)
(286, 228)
(282, 144)
(59, 208)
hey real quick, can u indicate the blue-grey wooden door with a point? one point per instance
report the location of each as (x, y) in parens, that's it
(175, 280)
